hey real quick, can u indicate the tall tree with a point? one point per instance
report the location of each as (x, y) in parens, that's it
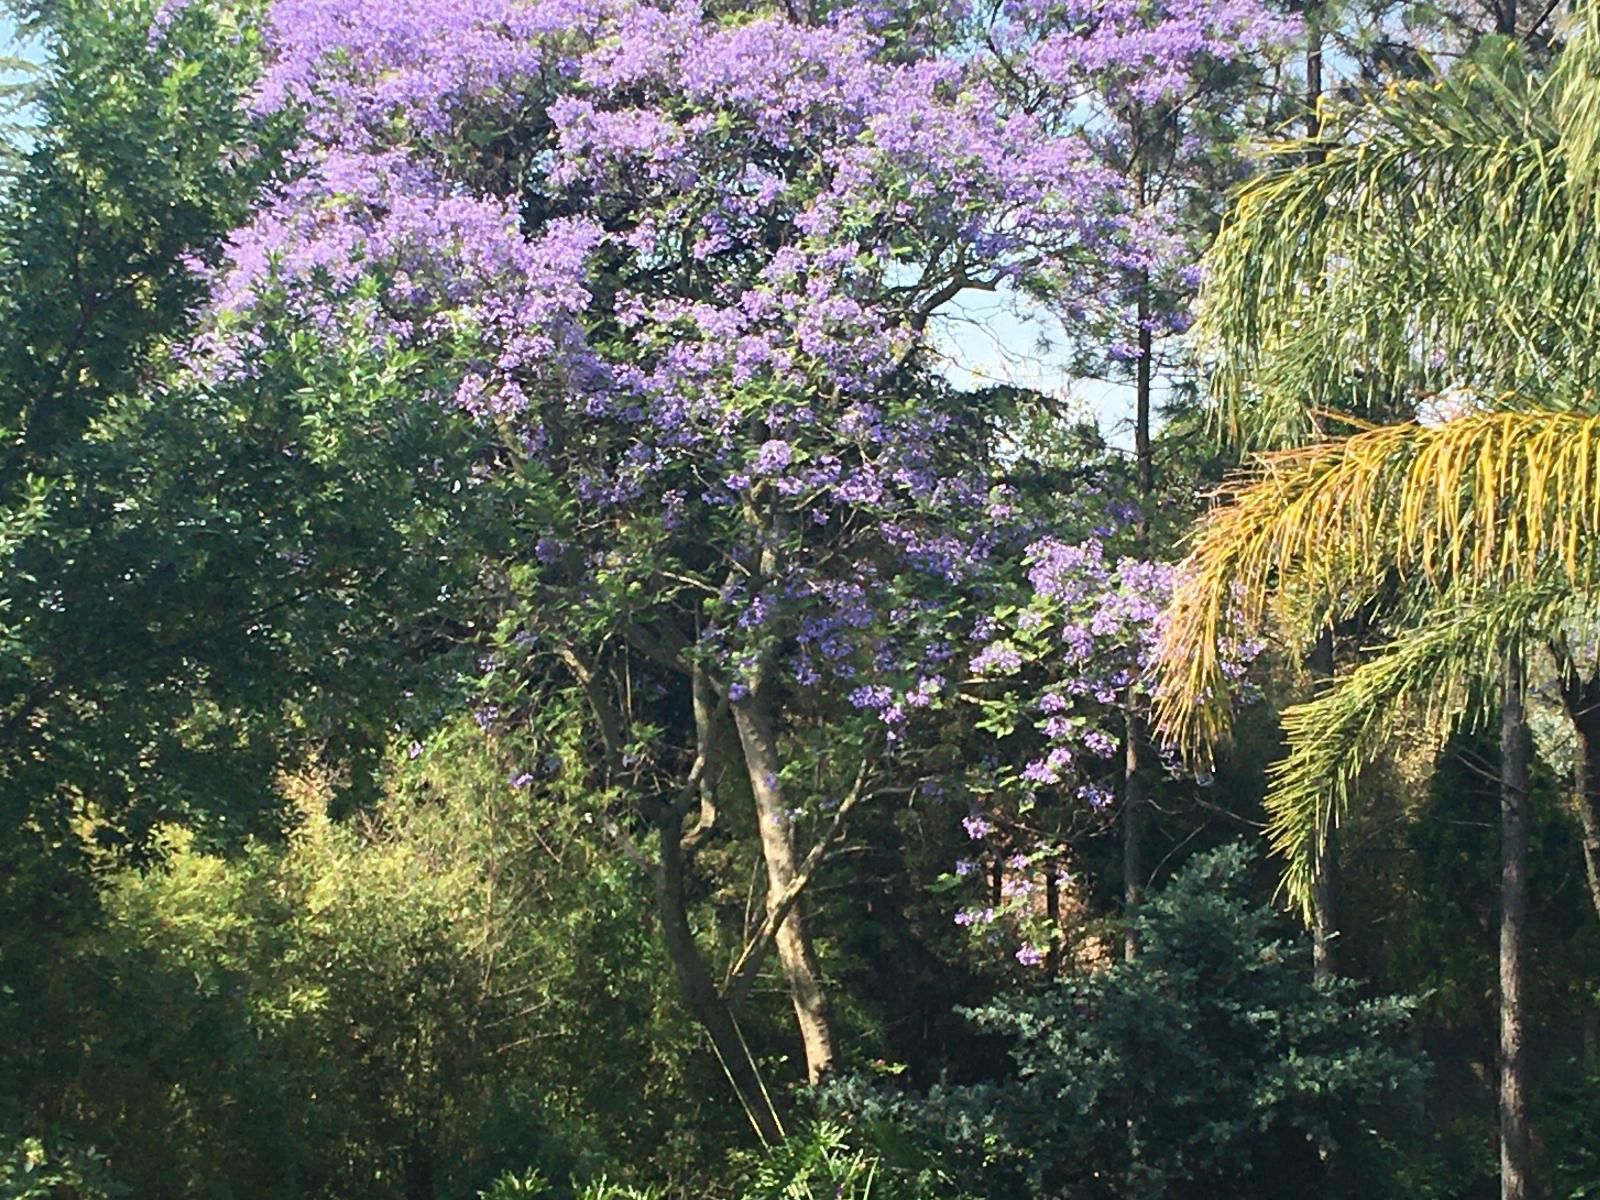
(681, 264)
(1461, 533)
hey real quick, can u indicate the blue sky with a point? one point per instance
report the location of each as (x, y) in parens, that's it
(9, 43)
(986, 338)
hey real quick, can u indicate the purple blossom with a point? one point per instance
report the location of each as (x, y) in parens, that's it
(1101, 743)
(977, 827)
(773, 457)
(1000, 657)
(875, 696)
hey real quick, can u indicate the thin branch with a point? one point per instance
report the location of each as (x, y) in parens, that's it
(743, 972)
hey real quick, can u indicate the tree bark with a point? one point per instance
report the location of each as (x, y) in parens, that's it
(700, 990)
(669, 873)
(1134, 782)
(1588, 799)
(1582, 700)
(793, 941)
(1133, 804)
(1052, 913)
(1325, 906)
(1515, 1143)
(1325, 884)
(1143, 386)
(1313, 97)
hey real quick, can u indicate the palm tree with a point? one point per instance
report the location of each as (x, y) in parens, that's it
(1431, 253)
(1438, 252)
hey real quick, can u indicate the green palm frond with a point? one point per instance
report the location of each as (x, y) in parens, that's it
(1486, 501)
(1577, 90)
(1437, 246)
(1426, 244)
(1444, 670)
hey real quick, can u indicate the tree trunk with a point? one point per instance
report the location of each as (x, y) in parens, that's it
(793, 941)
(1325, 906)
(1133, 804)
(1515, 1144)
(1583, 707)
(1313, 15)
(1143, 384)
(1325, 883)
(1052, 913)
(700, 990)
(1134, 781)
(1591, 1038)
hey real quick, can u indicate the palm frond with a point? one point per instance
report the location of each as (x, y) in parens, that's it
(1445, 670)
(1486, 501)
(1576, 84)
(1425, 245)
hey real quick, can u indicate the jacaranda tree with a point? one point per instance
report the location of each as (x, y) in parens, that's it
(676, 264)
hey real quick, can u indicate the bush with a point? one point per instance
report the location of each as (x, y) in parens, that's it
(1212, 1064)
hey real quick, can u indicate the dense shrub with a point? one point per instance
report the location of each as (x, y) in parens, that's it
(1211, 1064)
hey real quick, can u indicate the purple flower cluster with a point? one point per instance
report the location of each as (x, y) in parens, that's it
(681, 265)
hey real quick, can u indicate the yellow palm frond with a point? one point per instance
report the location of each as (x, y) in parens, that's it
(1481, 502)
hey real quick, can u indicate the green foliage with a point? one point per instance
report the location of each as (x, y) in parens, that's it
(517, 1185)
(198, 581)
(45, 1168)
(1436, 889)
(827, 1162)
(824, 1161)
(1210, 1064)
(403, 1004)
(405, 977)
(1573, 1116)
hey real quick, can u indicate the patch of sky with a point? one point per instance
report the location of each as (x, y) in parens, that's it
(1001, 337)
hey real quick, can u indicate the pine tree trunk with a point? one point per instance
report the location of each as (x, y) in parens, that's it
(1325, 883)
(795, 952)
(1134, 782)
(1325, 907)
(1325, 913)
(1133, 803)
(1515, 1144)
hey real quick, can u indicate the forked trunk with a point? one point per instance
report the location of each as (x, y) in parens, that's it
(793, 942)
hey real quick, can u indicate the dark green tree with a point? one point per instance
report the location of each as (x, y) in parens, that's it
(200, 581)
(1211, 1064)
